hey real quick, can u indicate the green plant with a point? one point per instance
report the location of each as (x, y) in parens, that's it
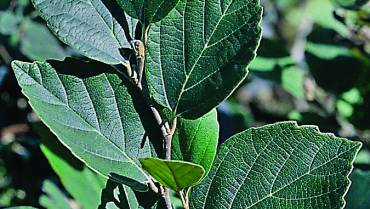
(142, 114)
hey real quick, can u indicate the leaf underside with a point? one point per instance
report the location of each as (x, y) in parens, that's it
(278, 166)
(87, 26)
(91, 112)
(197, 55)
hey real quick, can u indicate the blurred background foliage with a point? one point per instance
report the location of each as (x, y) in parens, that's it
(313, 66)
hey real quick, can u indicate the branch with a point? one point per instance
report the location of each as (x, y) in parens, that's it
(184, 199)
(152, 186)
(167, 131)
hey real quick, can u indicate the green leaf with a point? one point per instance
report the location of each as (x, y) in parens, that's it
(359, 192)
(22, 207)
(53, 198)
(197, 55)
(83, 184)
(196, 140)
(173, 174)
(350, 4)
(148, 11)
(292, 79)
(91, 112)
(278, 166)
(38, 43)
(87, 26)
(8, 22)
(322, 14)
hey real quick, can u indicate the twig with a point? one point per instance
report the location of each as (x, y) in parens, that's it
(152, 186)
(169, 137)
(168, 142)
(167, 131)
(184, 199)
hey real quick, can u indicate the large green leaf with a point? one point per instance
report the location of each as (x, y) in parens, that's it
(148, 11)
(53, 197)
(91, 112)
(278, 166)
(173, 174)
(358, 196)
(83, 184)
(197, 55)
(196, 140)
(87, 26)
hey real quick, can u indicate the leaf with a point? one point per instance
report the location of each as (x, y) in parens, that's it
(197, 55)
(53, 198)
(173, 174)
(37, 43)
(87, 26)
(22, 207)
(196, 140)
(359, 192)
(322, 14)
(8, 22)
(278, 166)
(148, 11)
(350, 4)
(292, 80)
(91, 112)
(83, 184)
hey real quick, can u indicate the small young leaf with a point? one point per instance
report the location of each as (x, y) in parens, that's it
(87, 26)
(198, 54)
(92, 112)
(147, 11)
(278, 166)
(174, 174)
(196, 140)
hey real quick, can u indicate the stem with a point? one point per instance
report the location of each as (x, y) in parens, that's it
(167, 198)
(184, 199)
(167, 131)
(168, 138)
(152, 186)
(168, 141)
